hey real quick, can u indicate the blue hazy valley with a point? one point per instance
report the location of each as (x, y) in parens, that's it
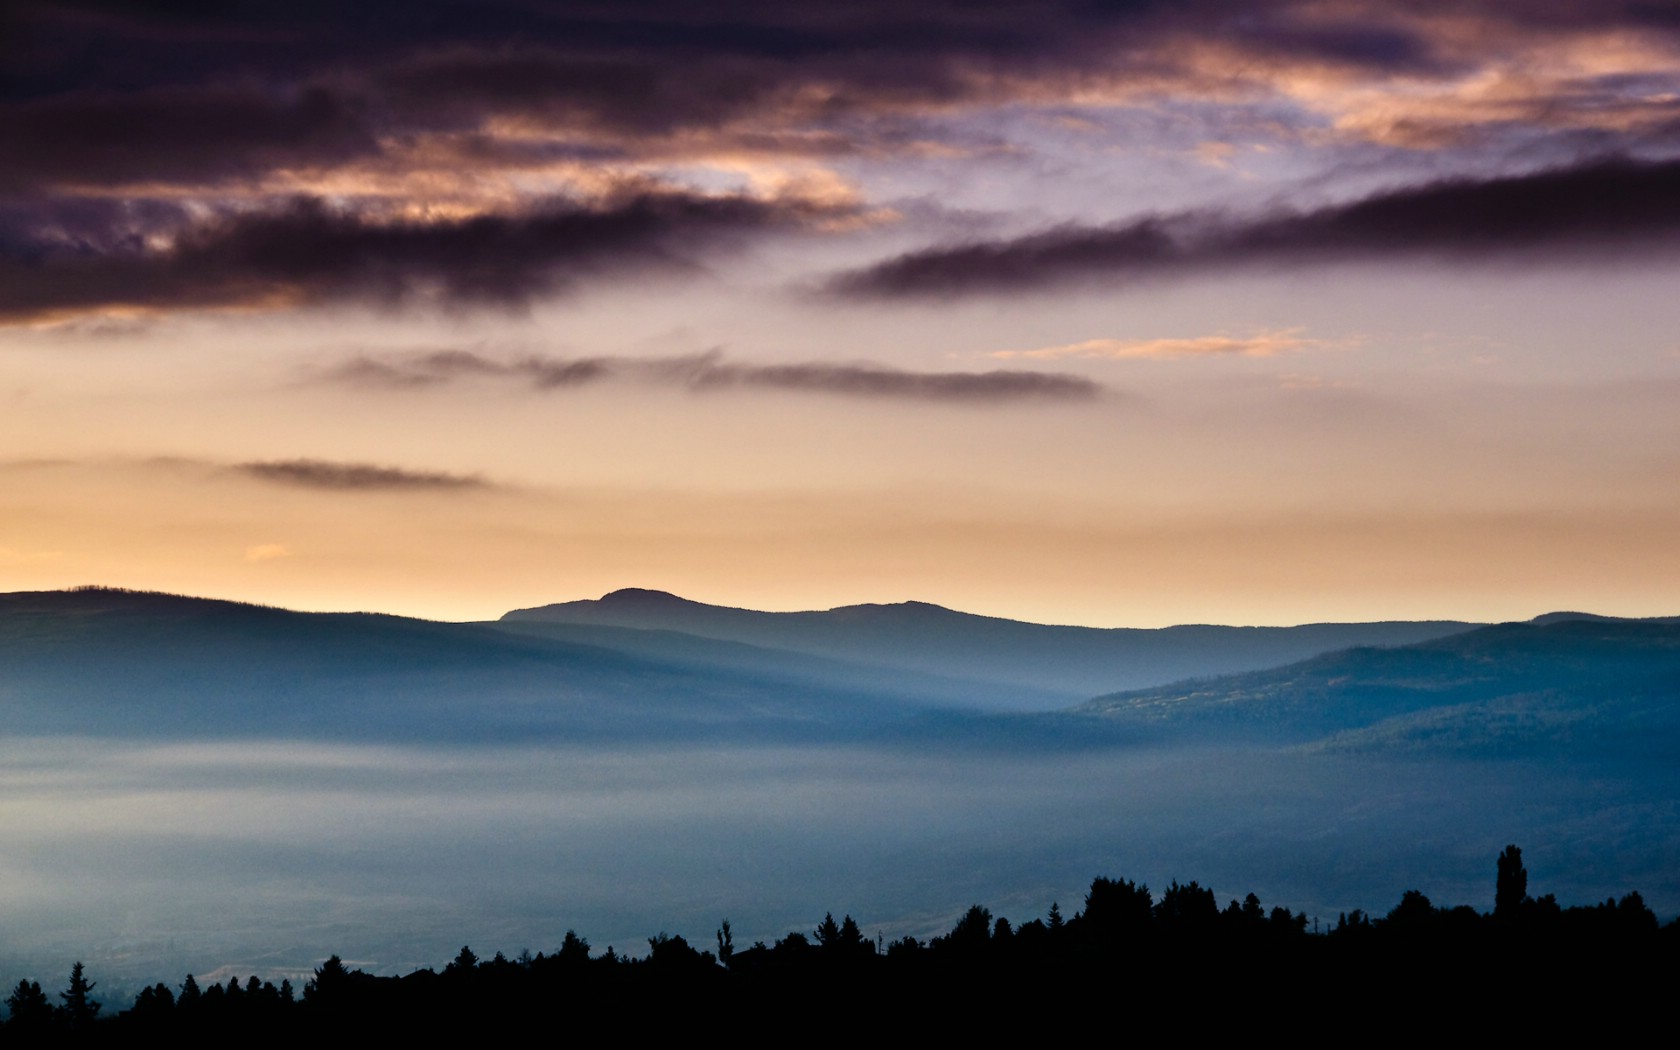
(208, 787)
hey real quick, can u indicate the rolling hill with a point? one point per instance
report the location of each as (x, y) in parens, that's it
(1567, 682)
(1006, 664)
(123, 663)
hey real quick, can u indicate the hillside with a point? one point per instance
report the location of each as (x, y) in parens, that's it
(1059, 664)
(118, 662)
(1579, 683)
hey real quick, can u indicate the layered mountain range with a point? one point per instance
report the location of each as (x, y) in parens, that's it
(987, 661)
(206, 772)
(646, 665)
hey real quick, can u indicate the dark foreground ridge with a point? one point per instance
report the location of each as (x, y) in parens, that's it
(1129, 958)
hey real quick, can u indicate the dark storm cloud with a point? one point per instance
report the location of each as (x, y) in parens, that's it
(35, 231)
(110, 94)
(356, 477)
(106, 93)
(211, 111)
(616, 94)
(306, 252)
(109, 43)
(709, 371)
(1615, 204)
(174, 135)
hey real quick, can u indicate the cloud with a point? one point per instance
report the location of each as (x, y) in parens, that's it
(701, 373)
(446, 366)
(354, 477)
(191, 136)
(430, 369)
(365, 371)
(123, 98)
(1263, 344)
(307, 252)
(266, 552)
(164, 157)
(306, 472)
(9, 556)
(34, 463)
(1628, 205)
(877, 381)
(110, 95)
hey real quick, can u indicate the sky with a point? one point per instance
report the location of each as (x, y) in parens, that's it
(1124, 314)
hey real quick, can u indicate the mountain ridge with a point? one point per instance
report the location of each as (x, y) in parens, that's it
(1504, 688)
(145, 663)
(1069, 663)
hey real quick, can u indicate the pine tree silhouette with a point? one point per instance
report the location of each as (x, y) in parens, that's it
(79, 1008)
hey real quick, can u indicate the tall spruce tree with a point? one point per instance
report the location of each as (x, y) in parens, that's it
(79, 1008)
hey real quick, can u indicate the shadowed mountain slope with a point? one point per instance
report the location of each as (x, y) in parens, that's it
(107, 662)
(800, 669)
(115, 662)
(1060, 664)
(1595, 684)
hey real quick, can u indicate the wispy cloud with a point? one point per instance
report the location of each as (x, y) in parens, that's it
(1262, 344)
(346, 476)
(877, 381)
(355, 477)
(1555, 214)
(9, 556)
(308, 252)
(707, 372)
(267, 552)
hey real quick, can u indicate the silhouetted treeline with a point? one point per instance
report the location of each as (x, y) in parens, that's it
(1127, 957)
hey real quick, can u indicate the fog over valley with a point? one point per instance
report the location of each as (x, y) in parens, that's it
(333, 785)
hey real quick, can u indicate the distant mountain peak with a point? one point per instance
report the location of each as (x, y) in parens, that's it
(911, 607)
(921, 606)
(1567, 615)
(643, 596)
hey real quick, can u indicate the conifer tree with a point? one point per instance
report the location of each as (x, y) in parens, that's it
(29, 1007)
(79, 1008)
(190, 993)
